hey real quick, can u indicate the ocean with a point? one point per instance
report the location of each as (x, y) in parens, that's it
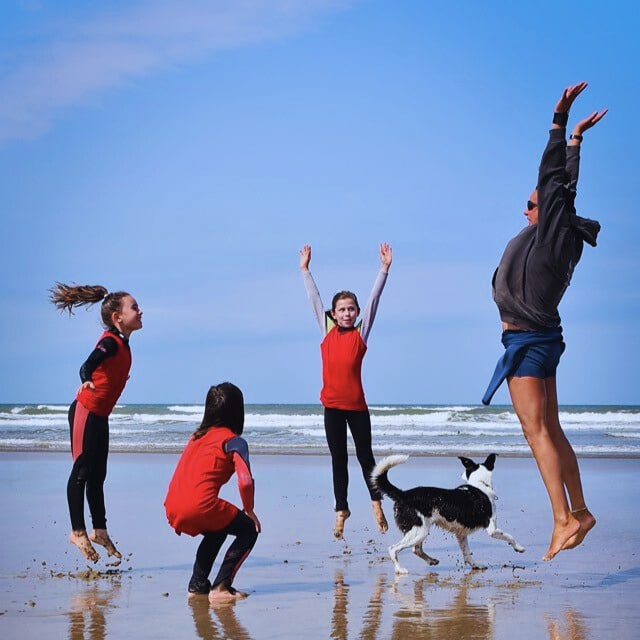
(599, 431)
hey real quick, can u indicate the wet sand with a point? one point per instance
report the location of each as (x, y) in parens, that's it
(304, 584)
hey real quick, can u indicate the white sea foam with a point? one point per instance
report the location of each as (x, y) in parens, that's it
(599, 418)
(197, 409)
(420, 428)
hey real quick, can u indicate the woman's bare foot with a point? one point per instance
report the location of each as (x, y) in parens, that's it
(378, 514)
(587, 522)
(341, 517)
(101, 537)
(562, 533)
(81, 540)
(221, 594)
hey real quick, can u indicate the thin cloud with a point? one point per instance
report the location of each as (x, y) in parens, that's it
(75, 61)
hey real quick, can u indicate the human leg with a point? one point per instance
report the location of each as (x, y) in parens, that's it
(529, 398)
(570, 467)
(76, 484)
(244, 530)
(360, 426)
(335, 428)
(206, 554)
(97, 442)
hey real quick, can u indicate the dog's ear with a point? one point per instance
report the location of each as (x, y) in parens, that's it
(490, 461)
(469, 464)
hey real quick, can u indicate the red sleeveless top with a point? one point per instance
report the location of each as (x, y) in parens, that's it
(342, 355)
(109, 379)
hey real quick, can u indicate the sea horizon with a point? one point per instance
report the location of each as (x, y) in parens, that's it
(297, 428)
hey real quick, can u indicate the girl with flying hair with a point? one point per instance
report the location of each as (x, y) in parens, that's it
(103, 376)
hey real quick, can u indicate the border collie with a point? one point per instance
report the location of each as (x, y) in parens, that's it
(464, 510)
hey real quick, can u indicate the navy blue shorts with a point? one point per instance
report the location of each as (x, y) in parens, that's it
(540, 361)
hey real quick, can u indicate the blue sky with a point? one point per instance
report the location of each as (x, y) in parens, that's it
(185, 151)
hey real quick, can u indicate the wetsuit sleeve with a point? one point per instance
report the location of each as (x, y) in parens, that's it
(372, 305)
(106, 348)
(246, 486)
(315, 299)
(555, 202)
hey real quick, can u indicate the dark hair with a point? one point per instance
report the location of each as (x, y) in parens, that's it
(342, 295)
(65, 297)
(224, 407)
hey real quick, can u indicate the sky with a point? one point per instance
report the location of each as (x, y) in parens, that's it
(184, 151)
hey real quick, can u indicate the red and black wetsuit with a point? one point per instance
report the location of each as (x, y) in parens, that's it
(108, 368)
(193, 505)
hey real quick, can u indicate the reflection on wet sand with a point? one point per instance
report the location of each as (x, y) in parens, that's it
(372, 617)
(434, 606)
(441, 609)
(216, 622)
(88, 610)
(573, 627)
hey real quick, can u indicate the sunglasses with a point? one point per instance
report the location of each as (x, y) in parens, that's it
(531, 205)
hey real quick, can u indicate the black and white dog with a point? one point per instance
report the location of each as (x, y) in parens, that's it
(464, 510)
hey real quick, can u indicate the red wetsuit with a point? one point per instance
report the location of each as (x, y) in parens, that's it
(192, 504)
(108, 368)
(109, 378)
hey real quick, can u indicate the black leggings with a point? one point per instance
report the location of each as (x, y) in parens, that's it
(244, 529)
(335, 427)
(89, 468)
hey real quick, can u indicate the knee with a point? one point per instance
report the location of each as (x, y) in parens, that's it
(248, 540)
(79, 475)
(533, 430)
(339, 457)
(365, 458)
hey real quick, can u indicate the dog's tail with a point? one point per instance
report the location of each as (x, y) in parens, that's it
(381, 481)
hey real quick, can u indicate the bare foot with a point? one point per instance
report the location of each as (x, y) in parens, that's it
(378, 514)
(222, 594)
(341, 517)
(587, 522)
(81, 540)
(101, 537)
(562, 533)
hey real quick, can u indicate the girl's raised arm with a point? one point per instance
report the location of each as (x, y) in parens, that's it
(310, 286)
(386, 257)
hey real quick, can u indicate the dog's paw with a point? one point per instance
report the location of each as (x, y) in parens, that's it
(433, 561)
(519, 548)
(401, 571)
(479, 567)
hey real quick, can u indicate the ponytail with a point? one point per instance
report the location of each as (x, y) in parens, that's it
(66, 297)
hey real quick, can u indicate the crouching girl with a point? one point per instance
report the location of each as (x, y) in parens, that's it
(214, 452)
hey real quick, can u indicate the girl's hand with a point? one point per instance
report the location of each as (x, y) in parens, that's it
(86, 385)
(305, 257)
(386, 256)
(255, 520)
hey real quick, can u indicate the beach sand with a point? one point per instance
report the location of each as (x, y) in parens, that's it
(304, 584)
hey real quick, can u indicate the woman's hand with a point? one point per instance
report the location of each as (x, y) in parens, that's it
(568, 96)
(305, 257)
(589, 122)
(386, 256)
